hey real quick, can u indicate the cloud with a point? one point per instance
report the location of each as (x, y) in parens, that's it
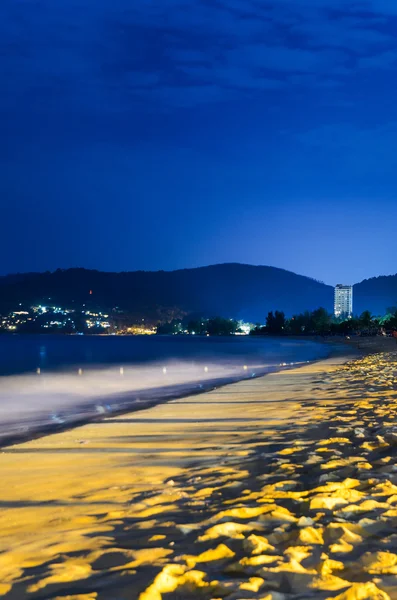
(188, 55)
(386, 7)
(189, 96)
(105, 56)
(234, 77)
(244, 78)
(384, 60)
(353, 34)
(285, 59)
(355, 7)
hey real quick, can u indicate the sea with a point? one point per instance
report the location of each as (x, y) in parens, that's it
(50, 382)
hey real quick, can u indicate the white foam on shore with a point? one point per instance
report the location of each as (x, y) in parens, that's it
(33, 400)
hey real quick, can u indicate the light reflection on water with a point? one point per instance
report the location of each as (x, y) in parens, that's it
(21, 354)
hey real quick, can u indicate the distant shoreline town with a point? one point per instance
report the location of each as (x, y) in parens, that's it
(92, 320)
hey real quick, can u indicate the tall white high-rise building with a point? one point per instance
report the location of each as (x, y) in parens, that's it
(343, 301)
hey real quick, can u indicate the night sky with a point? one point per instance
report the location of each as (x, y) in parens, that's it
(162, 134)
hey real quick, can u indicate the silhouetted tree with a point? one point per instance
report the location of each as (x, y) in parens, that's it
(169, 328)
(259, 330)
(299, 324)
(365, 319)
(220, 326)
(275, 323)
(197, 326)
(320, 321)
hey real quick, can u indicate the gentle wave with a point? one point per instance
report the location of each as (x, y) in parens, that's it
(47, 399)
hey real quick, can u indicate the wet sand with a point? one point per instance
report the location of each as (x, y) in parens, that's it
(279, 487)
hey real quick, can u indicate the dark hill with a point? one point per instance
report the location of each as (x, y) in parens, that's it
(231, 290)
(376, 294)
(14, 278)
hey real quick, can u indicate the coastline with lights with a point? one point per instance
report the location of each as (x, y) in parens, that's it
(50, 319)
(90, 319)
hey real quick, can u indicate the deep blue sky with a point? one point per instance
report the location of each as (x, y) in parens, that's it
(160, 134)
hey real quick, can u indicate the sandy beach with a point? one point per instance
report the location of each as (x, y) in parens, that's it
(274, 488)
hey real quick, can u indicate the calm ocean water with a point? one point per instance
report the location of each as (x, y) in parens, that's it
(21, 354)
(55, 381)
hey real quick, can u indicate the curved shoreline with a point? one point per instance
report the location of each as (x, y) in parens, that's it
(100, 408)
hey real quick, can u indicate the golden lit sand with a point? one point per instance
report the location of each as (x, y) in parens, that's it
(274, 488)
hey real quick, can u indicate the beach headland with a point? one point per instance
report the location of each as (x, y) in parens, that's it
(273, 488)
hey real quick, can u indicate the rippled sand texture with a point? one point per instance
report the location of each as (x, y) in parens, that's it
(281, 487)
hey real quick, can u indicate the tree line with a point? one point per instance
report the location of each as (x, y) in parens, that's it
(316, 322)
(321, 322)
(213, 326)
